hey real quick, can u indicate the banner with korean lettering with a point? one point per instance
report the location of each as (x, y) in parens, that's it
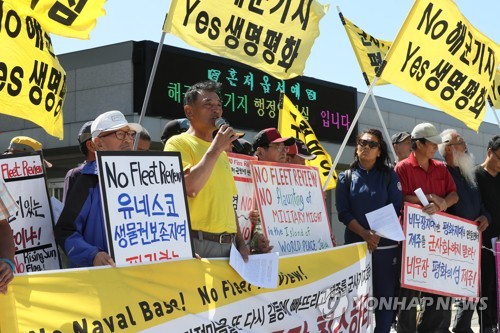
(74, 18)
(441, 253)
(494, 96)
(325, 291)
(369, 50)
(33, 224)
(34, 83)
(273, 36)
(443, 59)
(244, 203)
(292, 207)
(145, 206)
(292, 123)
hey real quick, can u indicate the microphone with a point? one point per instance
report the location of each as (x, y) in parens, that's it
(236, 144)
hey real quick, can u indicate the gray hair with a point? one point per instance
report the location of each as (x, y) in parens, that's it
(446, 136)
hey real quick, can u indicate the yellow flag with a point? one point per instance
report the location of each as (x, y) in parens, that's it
(74, 18)
(273, 36)
(495, 93)
(292, 123)
(33, 82)
(443, 59)
(369, 50)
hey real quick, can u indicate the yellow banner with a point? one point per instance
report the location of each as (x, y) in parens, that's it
(190, 296)
(495, 93)
(273, 36)
(443, 59)
(292, 123)
(33, 83)
(369, 50)
(74, 18)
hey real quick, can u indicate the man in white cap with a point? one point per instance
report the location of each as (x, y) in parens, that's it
(420, 170)
(80, 229)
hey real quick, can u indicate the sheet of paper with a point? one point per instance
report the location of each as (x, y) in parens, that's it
(384, 221)
(57, 207)
(421, 196)
(261, 270)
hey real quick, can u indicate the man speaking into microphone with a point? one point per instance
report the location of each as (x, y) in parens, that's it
(209, 180)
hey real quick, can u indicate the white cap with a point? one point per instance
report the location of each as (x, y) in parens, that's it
(111, 120)
(426, 131)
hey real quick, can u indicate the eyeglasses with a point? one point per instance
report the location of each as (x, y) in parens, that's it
(120, 135)
(371, 144)
(280, 149)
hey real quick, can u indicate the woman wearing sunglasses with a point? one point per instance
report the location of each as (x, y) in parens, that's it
(370, 184)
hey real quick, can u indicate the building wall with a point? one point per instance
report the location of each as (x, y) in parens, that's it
(102, 79)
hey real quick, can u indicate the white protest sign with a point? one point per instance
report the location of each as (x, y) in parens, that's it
(291, 206)
(145, 206)
(244, 202)
(441, 254)
(33, 224)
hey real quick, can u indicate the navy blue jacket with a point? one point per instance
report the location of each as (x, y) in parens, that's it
(369, 191)
(80, 230)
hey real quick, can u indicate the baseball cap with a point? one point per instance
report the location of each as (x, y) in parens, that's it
(174, 127)
(426, 131)
(111, 120)
(84, 133)
(246, 146)
(300, 149)
(400, 137)
(268, 136)
(21, 144)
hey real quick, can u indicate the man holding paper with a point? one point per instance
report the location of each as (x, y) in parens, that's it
(420, 170)
(366, 186)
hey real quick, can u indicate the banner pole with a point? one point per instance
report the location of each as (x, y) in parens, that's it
(351, 128)
(386, 132)
(150, 84)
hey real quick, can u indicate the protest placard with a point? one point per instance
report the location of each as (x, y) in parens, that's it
(441, 254)
(145, 206)
(292, 208)
(324, 291)
(33, 224)
(244, 202)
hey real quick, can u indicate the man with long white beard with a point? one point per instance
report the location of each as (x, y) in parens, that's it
(460, 164)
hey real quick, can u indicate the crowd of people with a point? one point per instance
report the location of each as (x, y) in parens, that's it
(456, 186)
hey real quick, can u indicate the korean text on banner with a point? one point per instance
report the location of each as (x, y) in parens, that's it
(292, 208)
(65, 18)
(369, 50)
(443, 59)
(244, 203)
(35, 82)
(275, 37)
(441, 254)
(33, 224)
(145, 206)
(159, 298)
(495, 93)
(292, 123)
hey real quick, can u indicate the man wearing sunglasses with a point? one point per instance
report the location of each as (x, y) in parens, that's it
(420, 170)
(80, 228)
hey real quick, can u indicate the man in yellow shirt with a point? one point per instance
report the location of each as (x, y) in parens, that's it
(209, 180)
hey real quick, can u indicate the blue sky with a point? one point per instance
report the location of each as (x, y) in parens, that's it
(331, 59)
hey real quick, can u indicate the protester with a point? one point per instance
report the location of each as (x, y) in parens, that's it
(174, 127)
(488, 181)
(144, 140)
(80, 230)
(420, 170)
(25, 144)
(207, 172)
(8, 207)
(87, 149)
(370, 184)
(268, 146)
(298, 153)
(401, 142)
(460, 164)
(246, 147)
